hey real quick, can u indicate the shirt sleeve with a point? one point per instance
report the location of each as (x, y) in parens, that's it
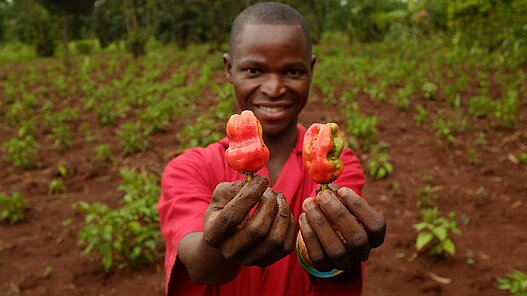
(185, 196)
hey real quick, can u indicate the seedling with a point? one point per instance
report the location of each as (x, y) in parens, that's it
(469, 254)
(362, 129)
(421, 116)
(102, 155)
(522, 157)
(481, 106)
(57, 186)
(444, 131)
(425, 196)
(514, 282)
(13, 208)
(473, 157)
(84, 128)
(128, 235)
(47, 271)
(378, 164)
(23, 152)
(133, 138)
(61, 136)
(506, 112)
(430, 90)
(482, 141)
(434, 232)
(203, 132)
(403, 96)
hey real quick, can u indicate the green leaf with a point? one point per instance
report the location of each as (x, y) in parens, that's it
(423, 239)
(449, 247)
(440, 233)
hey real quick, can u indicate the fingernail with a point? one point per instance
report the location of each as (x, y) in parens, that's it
(324, 196)
(344, 190)
(309, 204)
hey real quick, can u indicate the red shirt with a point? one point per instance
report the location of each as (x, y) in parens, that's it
(182, 211)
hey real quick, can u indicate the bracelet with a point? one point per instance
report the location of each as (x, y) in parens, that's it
(311, 270)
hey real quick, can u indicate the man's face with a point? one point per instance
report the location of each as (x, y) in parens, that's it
(271, 68)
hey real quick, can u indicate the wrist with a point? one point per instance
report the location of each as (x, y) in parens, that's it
(305, 262)
(217, 269)
(205, 264)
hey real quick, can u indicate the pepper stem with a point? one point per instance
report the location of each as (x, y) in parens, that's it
(323, 186)
(249, 176)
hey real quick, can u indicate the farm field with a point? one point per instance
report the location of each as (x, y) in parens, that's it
(439, 129)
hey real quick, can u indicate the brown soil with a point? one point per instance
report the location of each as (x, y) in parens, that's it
(493, 230)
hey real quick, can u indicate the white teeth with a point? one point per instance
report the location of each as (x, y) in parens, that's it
(271, 109)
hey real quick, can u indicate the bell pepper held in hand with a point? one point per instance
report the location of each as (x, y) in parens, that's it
(321, 149)
(247, 152)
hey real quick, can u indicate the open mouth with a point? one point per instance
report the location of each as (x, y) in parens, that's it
(271, 110)
(272, 113)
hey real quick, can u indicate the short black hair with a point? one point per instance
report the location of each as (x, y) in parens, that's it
(269, 13)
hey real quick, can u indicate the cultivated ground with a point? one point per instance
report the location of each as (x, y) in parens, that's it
(486, 188)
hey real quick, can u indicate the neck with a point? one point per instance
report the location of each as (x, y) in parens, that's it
(281, 145)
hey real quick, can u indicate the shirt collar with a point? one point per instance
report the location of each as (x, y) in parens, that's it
(299, 138)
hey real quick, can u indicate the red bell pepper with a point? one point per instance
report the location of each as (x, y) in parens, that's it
(247, 152)
(321, 149)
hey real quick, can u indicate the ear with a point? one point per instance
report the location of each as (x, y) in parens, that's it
(313, 62)
(227, 63)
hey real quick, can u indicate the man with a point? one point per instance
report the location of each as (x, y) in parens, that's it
(215, 244)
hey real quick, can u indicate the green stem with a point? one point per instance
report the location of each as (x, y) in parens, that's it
(249, 176)
(323, 186)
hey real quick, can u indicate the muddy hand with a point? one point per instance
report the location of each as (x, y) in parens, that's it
(262, 239)
(339, 229)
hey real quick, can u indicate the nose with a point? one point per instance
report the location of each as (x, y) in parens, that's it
(273, 86)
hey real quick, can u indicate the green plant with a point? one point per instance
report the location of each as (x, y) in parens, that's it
(61, 136)
(201, 133)
(473, 157)
(402, 97)
(362, 129)
(102, 155)
(506, 111)
(56, 186)
(430, 90)
(84, 128)
(59, 118)
(157, 115)
(514, 282)
(425, 196)
(378, 164)
(522, 157)
(434, 232)
(482, 141)
(444, 131)
(107, 112)
(376, 92)
(47, 271)
(133, 138)
(13, 208)
(469, 254)
(23, 152)
(128, 235)
(421, 116)
(481, 106)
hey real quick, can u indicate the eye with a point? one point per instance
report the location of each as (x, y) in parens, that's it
(295, 72)
(252, 71)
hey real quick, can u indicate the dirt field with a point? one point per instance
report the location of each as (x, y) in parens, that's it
(40, 256)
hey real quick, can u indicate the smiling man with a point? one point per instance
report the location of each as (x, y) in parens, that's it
(214, 246)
